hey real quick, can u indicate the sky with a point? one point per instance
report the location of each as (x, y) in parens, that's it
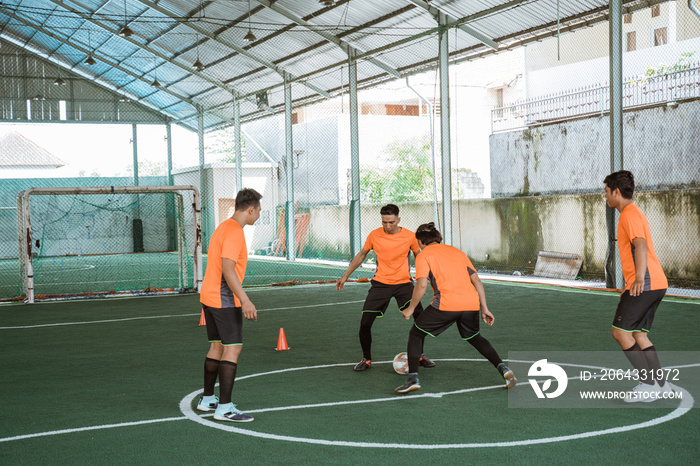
(106, 149)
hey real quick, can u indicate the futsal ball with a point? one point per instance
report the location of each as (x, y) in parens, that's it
(401, 363)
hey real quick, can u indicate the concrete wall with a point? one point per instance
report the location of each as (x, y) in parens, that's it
(511, 231)
(660, 147)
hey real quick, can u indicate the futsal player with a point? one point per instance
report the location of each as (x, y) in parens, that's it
(393, 245)
(225, 303)
(458, 297)
(645, 287)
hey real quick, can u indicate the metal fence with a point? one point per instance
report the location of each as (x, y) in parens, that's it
(640, 91)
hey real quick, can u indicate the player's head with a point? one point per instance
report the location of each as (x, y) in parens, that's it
(427, 234)
(248, 200)
(623, 181)
(390, 218)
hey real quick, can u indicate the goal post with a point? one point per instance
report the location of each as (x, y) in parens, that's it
(92, 241)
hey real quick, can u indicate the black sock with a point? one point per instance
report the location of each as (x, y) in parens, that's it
(415, 343)
(483, 346)
(366, 334)
(227, 375)
(417, 313)
(652, 359)
(211, 370)
(636, 357)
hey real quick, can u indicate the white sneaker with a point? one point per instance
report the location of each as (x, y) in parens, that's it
(642, 393)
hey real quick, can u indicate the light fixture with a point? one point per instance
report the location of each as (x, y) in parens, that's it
(90, 61)
(250, 37)
(155, 83)
(59, 82)
(125, 31)
(326, 2)
(39, 97)
(197, 65)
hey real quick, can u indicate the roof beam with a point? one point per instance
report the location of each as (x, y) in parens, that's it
(329, 37)
(106, 60)
(157, 7)
(435, 10)
(188, 68)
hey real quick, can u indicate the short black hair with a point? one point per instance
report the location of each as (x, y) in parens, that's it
(390, 209)
(247, 198)
(622, 180)
(428, 234)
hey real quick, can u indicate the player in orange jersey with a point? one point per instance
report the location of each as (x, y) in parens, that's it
(645, 287)
(393, 245)
(225, 303)
(458, 297)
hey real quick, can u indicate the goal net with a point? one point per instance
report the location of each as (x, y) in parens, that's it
(91, 241)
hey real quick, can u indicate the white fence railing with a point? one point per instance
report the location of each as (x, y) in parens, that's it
(636, 92)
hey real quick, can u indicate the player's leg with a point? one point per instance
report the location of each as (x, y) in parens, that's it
(632, 321)
(431, 322)
(377, 301)
(403, 295)
(468, 325)
(642, 338)
(208, 400)
(230, 325)
(626, 323)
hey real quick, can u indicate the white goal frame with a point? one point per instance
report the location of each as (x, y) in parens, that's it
(24, 226)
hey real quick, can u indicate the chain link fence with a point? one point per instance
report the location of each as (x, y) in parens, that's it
(526, 168)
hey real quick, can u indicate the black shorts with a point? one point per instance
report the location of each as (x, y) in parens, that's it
(224, 325)
(433, 322)
(636, 313)
(379, 296)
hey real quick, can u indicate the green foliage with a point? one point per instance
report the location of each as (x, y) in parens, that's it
(148, 168)
(405, 175)
(223, 146)
(684, 62)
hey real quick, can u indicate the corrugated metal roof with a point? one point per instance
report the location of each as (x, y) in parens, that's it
(18, 151)
(303, 38)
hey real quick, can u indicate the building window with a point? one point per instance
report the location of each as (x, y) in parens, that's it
(660, 37)
(655, 11)
(631, 41)
(627, 19)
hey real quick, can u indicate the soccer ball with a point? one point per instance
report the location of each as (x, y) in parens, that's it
(401, 363)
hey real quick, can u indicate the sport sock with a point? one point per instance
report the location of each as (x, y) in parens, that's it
(652, 358)
(483, 346)
(227, 375)
(413, 377)
(636, 357)
(211, 371)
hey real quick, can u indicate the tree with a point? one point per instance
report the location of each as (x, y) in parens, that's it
(147, 168)
(223, 145)
(405, 175)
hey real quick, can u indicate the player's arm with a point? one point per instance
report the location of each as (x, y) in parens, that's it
(228, 268)
(640, 262)
(418, 293)
(356, 262)
(486, 315)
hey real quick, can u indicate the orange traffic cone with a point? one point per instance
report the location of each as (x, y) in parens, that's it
(282, 342)
(202, 320)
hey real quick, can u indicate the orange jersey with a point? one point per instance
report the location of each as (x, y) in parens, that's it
(448, 269)
(633, 224)
(392, 252)
(227, 242)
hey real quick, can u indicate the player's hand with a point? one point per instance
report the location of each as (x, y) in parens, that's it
(340, 284)
(249, 311)
(637, 287)
(408, 312)
(487, 317)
